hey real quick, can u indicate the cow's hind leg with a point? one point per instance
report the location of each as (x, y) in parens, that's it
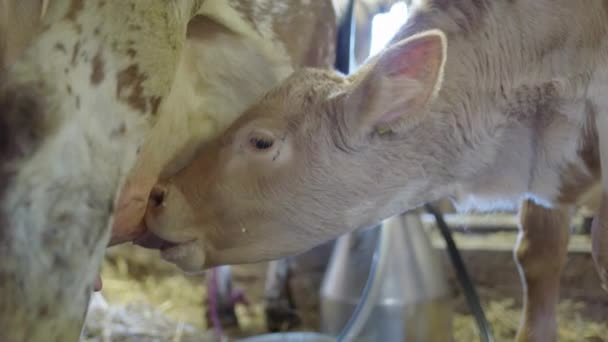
(599, 239)
(599, 228)
(222, 299)
(541, 253)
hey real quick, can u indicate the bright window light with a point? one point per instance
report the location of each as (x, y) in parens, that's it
(385, 25)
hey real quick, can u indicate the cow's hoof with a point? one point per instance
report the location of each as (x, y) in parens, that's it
(603, 274)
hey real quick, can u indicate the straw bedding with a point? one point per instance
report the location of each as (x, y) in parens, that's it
(147, 299)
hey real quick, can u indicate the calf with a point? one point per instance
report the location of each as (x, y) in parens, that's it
(495, 104)
(228, 63)
(85, 88)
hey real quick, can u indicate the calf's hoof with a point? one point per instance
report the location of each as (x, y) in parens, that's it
(599, 247)
(225, 316)
(280, 316)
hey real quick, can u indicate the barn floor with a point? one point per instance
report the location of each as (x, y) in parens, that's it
(148, 300)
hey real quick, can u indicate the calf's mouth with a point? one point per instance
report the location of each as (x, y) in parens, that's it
(152, 241)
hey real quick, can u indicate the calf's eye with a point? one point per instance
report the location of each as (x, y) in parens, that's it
(260, 142)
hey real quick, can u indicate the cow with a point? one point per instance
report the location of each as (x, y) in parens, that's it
(494, 104)
(85, 87)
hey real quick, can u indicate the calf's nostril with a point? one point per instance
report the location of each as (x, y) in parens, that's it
(157, 196)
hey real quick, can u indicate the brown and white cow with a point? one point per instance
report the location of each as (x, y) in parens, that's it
(84, 88)
(496, 104)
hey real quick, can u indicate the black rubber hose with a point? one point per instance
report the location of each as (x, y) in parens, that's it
(485, 332)
(344, 46)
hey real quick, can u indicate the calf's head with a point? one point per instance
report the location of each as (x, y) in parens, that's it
(318, 156)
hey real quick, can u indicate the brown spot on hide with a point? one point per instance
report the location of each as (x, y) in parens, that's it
(61, 47)
(98, 73)
(63, 217)
(22, 123)
(75, 52)
(120, 131)
(131, 78)
(131, 52)
(75, 7)
(155, 103)
(43, 311)
(23, 126)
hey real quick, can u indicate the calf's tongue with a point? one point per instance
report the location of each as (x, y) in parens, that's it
(152, 241)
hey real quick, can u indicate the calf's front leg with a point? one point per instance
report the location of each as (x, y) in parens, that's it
(540, 254)
(280, 308)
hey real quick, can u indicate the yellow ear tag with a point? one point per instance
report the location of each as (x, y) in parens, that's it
(381, 130)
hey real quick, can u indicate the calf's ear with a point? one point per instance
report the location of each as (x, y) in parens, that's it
(394, 89)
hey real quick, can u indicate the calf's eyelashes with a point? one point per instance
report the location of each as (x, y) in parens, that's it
(260, 140)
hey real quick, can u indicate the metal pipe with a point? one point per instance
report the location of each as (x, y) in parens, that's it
(394, 272)
(372, 288)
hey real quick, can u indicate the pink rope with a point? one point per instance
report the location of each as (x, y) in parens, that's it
(213, 307)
